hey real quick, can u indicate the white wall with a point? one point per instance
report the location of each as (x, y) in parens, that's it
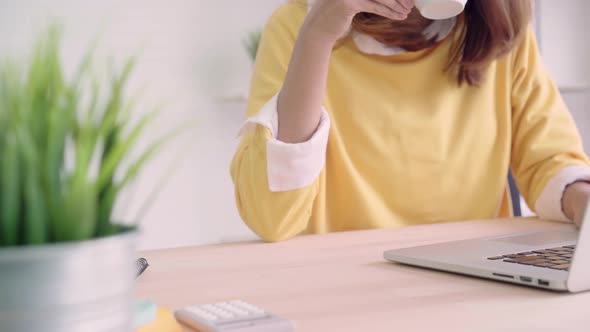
(563, 28)
(579, 104)
(191, 55)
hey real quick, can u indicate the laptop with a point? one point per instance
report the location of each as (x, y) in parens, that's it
(557, 260)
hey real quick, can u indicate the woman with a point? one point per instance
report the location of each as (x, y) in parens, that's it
(363, 114)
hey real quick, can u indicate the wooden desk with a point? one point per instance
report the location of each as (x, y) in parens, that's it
(340, 282)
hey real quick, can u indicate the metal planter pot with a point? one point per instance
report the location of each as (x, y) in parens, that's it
(78, 287)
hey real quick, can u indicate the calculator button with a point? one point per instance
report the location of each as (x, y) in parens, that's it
(248, 310)
(240, 312)
(225, 305)
(226, 315)
(197, 310)
(233, 309)
(254, 309)
(231, 315)
(202, 314)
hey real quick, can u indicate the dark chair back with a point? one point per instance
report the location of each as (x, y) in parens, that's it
(515, 195)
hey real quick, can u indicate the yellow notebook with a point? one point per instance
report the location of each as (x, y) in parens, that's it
(165, 322)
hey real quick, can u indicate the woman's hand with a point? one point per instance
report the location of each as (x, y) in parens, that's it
(329, 20)
(575, 199)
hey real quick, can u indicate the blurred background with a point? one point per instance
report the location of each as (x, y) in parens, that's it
(193, 60)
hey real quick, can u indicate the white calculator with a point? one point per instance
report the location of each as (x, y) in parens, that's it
(235, 316)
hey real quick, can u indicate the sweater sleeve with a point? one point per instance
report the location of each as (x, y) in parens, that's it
(276, 183)
(547, 152)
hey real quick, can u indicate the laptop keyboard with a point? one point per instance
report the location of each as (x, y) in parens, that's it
(558, 258)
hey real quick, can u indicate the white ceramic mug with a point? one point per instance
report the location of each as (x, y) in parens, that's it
(441, 9)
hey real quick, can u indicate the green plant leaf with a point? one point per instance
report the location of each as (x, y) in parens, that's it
(36, 227)
(35, 214)
(53, 133)
(61, 125)
(118, 152)
(105, 210)
(252, 43)
(79, 211)
(149, 153)
(132, 172)
(113, 109)
(10, 191)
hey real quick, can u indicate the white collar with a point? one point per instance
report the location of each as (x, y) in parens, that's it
(369, 45)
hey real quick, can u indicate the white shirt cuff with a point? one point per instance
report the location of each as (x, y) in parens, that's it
(549, 204)
(291, 166)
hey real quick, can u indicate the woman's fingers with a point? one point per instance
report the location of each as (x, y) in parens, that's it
(400, 6)
(377, 7)
(408, 4)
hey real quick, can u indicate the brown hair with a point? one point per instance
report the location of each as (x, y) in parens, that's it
(491, 29)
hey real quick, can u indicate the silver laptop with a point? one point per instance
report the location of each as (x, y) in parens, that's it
(556, 260)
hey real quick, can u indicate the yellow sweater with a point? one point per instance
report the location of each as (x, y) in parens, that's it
(407, 145)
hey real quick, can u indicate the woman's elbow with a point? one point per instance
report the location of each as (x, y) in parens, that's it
(270, 233)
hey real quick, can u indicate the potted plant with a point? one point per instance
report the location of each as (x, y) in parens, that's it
(252, 43)
(65, 264)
